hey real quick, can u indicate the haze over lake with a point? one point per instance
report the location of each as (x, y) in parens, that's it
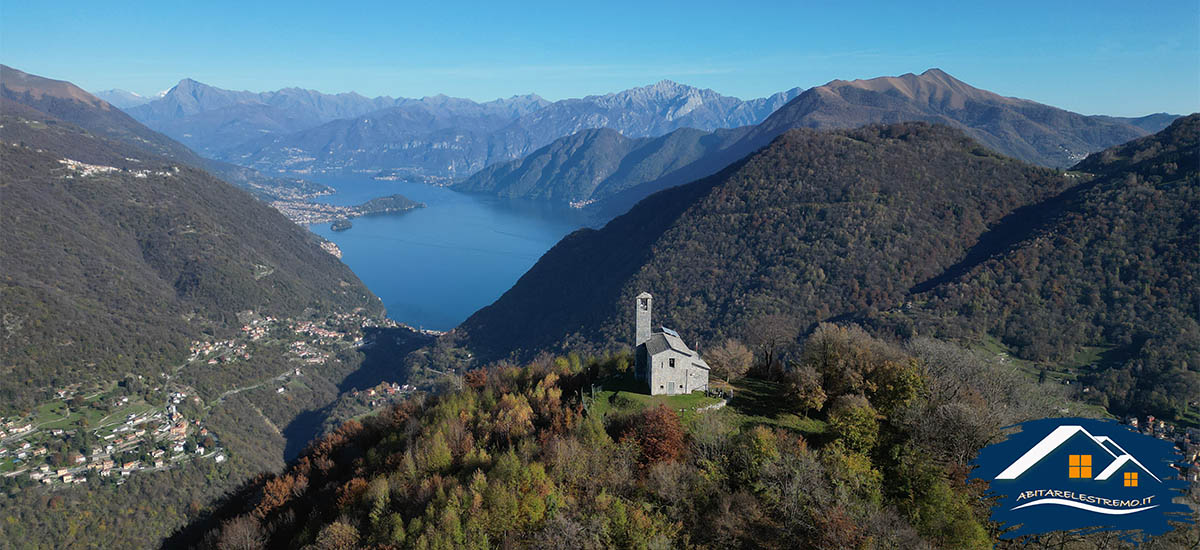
(434, 266)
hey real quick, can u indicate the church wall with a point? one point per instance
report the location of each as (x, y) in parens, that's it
(683, 378)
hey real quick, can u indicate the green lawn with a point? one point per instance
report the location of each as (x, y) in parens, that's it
(118, 416)
(625, 394)
(755, 402)
(761, 402)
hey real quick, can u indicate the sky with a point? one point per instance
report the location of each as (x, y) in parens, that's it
(1096, 57)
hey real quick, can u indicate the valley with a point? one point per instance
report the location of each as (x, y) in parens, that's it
(256, 310)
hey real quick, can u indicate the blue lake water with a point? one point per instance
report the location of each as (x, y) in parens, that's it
(435, 266)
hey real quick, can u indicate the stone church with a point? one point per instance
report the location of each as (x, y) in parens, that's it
(667, 365)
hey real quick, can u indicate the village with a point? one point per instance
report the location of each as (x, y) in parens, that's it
(77, 438)
(1187, 440)
(109, 431)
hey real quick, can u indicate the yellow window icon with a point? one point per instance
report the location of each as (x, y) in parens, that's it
(1079, 467)
(1131, 479)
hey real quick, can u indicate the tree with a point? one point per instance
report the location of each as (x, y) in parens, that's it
(514, 417)
(241, 533)
(802, 383)
(769, 335)
(659, 434)
(853, 421)
(731, 359)
(337, 536)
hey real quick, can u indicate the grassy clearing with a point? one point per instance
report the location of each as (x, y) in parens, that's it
(755, 402)
(119, 415)
(624, 394)
(759, 402)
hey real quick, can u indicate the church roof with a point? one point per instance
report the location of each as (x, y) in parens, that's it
(663, 341)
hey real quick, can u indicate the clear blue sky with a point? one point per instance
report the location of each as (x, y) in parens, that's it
(1118, 58)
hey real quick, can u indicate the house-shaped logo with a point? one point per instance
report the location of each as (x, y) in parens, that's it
(1062, 474)
(1083, 465)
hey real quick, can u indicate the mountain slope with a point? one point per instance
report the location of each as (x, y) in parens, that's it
(1015, 127)
(915, 228)
(815, 225)
(116, 257)
(426, 140)
(420, 139)
(1112, 263)
(1151, 123)
(210, 119)
(69, 103)
(596, 164)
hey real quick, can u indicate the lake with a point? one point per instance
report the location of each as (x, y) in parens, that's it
(435, 266)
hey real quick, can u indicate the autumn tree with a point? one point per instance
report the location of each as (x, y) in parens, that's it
(770, 335)
(853, 421)
(802, 385)
(658, 433)
(514, 417)
(730, 360)
(241, 533)
(337, 536)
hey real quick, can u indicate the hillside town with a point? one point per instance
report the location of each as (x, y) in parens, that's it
(115, 429)
(132, 436)
(1187, 440)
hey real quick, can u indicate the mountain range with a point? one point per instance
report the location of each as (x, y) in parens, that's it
(70, 103)
(214, 121)
(431, 137)
(593, 168)
(122, 99)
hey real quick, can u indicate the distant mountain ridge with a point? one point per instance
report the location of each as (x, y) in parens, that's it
(433, 137)
(1020, 128)
(598, 164)
(72, 104)
(122, 99)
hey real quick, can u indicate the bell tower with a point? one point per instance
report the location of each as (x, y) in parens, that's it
(643, 306)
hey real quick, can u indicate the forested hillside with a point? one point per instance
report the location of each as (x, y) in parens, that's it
(165, 336)
(61, 100)
(859, 223)
(816, 225)
(116, 260)
(594, 165)
(855, 455)
(1111, 264)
